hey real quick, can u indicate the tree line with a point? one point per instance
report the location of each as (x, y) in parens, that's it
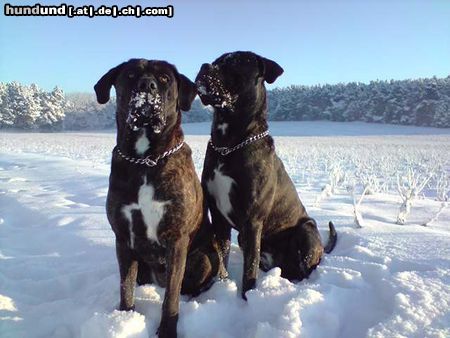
(29, 107)
(421, 102)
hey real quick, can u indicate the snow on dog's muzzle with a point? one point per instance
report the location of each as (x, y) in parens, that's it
(211, 90)
(145, 109)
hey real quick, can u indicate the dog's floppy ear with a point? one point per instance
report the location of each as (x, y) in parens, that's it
(103, 86)
(270, 70)
(186, 92)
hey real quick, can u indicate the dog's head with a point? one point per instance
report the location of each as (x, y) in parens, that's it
(149, 93)
(236, 80)
(297, 251)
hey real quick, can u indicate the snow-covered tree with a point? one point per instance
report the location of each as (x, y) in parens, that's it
(53, 109)
(29, 107)
(411, 102)
(83, 112)
(6, 113)
(442, 195)
(423, 102)
(409, 186)
(23, 105)
(441, 116)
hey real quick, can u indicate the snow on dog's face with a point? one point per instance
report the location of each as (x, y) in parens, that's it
(146, 108)
(235, 80)
(211, 88)
(149, 93)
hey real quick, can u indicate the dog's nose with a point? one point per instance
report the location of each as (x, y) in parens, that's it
(147, 85)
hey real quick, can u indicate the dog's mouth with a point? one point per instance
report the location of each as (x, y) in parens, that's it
(146, 109)
(212, 92)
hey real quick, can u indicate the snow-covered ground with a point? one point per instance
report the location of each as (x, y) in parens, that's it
(59, 276)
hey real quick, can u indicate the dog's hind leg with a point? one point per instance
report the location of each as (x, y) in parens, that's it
(310, 249)
(201, 269)
(151, 274)
(144, 274)
(128, 267)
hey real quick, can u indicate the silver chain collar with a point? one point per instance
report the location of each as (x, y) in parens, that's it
(224, 151)
(148, 161)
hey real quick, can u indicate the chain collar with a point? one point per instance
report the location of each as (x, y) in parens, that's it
(224, 151)
(149, 161)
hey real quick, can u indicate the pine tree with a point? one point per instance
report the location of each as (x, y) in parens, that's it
(6, 114)
(441, 116)
(53, 107)
(23, 106)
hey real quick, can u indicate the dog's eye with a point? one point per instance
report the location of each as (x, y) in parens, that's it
(131, 76)
(164, 79)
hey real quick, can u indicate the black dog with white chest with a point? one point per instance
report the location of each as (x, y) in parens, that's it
(245, 183)
(155, 201)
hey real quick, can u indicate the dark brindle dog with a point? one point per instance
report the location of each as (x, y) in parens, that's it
(155, 201)
(245, 182)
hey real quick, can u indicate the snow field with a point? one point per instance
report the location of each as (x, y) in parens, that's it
(59, 275)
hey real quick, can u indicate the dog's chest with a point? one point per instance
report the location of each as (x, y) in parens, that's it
(142, 143)
(220, 186)
(147, 211)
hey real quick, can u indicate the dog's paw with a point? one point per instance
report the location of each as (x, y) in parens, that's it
(165, 332)
(247, 285)
(168, 327)
(244, 297)
(223, 276)
(123, 307)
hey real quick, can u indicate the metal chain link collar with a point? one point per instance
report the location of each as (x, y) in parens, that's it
(148, 161)
(224, 151)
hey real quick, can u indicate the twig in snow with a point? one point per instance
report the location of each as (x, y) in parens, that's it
(409, 187)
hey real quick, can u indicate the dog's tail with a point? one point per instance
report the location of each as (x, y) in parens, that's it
(332, 239)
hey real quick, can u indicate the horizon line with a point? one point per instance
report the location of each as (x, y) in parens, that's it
(271, 87)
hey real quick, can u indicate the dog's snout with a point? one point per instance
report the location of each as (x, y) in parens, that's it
(147, 85)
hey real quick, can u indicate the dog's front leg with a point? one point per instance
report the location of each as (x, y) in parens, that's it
(251, 243)
(176, 264)
(128, 273)
(223, 236)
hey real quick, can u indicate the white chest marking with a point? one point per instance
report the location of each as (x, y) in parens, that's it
(142, 144)
(220, 188)
(222, 127)
(152, 212)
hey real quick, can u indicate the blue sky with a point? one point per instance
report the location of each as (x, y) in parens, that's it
(316, 42)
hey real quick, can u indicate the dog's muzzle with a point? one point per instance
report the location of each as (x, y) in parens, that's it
(146, 109)
(211, 90)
